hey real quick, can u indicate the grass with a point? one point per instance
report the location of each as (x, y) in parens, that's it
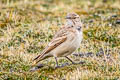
(26, 27)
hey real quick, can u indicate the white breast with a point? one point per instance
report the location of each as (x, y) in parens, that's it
(69, 46)
(78, 39)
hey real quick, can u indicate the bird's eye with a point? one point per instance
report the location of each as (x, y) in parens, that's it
(77, 16)
(79, 28)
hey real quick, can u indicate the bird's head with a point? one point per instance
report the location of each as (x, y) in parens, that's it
(73, 19)
(72, 16)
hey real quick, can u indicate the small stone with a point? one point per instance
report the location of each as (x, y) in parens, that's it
(76, 55)
(65, 64)
(89, 54)
(118, 21)
(79, 54)
(40, 65)
(81, 62)
(11, 70)
(108, 56)
(90, 21)
(114, 15)
(100, 53)
(104, 1)
(110, 25)
(33, 69)
(36, 67)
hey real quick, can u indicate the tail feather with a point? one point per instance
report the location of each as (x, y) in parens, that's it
(36, 57)
(41, 57)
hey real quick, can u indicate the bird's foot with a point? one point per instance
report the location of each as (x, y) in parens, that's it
(63, 65)
(36, 67)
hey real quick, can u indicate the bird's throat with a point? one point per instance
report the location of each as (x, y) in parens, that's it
(70, 23)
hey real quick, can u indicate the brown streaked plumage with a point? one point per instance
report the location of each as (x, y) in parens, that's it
(66, 40)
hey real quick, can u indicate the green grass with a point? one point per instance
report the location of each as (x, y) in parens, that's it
(26, 27)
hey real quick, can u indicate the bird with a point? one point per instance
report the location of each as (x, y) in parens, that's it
(65, 41)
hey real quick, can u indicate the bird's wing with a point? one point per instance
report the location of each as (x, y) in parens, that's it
(58, 39)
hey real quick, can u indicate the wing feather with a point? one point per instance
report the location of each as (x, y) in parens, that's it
(58, 39)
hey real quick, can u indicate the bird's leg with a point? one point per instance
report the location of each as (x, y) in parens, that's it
(73, 61)
(57, 66)
(70, 60)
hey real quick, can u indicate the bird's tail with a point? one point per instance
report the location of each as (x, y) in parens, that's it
(37, 59)
(40, 58)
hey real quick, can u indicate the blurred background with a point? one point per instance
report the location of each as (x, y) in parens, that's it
(26, 27)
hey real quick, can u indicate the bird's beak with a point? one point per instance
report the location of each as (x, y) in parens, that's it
(67, 18)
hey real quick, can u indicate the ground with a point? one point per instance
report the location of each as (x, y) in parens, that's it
(27, 26)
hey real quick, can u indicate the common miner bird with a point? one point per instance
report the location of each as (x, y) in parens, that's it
(66, 40)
